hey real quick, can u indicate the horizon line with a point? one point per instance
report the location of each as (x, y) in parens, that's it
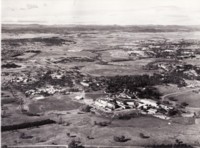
(48, 24)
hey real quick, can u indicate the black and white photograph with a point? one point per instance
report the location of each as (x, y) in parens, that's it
(100, 74)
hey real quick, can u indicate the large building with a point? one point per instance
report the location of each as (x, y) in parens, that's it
(105, 104)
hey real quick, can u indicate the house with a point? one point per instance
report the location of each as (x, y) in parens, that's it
(81, 96)
(123, 95)
(131, 103)
(38, 98)
(30, 92)
(105, 103)
(84, 84)
(165, 107)
(121, 104)
(145, 102)
(161, 116)
(49, 89)
(57, 75)
(151, 111)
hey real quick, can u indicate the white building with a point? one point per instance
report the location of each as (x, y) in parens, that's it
(161, 116)
(81, 96)
(121, 104)
(104, 103)
(145, 102)
(85, 84)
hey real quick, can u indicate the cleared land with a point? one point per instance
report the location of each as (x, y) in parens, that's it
(43, 70)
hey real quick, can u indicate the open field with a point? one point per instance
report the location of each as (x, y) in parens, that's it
(44, 69)
(82, 125)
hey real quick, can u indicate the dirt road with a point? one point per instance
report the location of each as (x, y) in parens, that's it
(177, 93)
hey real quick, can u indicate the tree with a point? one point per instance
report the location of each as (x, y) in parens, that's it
(85, 108)
(120, 138)
(144, 136)
(172, 99)
(75, 144)
(173, 112)
(184, 104)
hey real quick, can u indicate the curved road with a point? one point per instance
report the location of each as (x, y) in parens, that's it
(178, 93)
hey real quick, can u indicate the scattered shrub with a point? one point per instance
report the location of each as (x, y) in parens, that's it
(173, 112)
(184, 104)
(172, 99)
(144, 136)
(120, 138)
(75, 144)
(85, 108)
(103, 123)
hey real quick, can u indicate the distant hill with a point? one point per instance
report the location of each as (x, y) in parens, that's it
(63, 28)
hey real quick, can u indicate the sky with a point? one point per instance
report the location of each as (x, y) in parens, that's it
(101, 12)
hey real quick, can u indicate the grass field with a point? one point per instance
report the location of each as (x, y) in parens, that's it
(90, 52)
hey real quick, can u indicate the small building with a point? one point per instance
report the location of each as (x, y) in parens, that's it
(81, 96)
(161, 116)
(188, 114)
(104, 103)
(38, 98)
(121, 104)
(145, 102)
(165, 107)
(151, 111)
(57, 76)
(84, 84)
(131, 103)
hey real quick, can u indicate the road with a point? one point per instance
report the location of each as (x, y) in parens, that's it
(177, 93)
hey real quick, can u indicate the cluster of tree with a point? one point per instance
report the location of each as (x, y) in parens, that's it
(102, 123)
(149, 92)
(34, 51)
(85, 108)
(159, 49)
(75, 144)
(96, 83)
(173, 112)
(44, 79)
(142, 84)
(51, 41)
(178, 144)
(26, 125)
(10, 65)
(170, 146)
(74, 59)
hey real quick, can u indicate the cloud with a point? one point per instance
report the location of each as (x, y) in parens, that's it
(31, 6)
(128, 12)
(28, 7)
(168, 7)
(11, 9)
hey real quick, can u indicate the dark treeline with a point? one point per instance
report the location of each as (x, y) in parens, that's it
(142, 84)
(10, 65)
(7, 28)
(170, 146)
(26, 125)
(51, 41)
